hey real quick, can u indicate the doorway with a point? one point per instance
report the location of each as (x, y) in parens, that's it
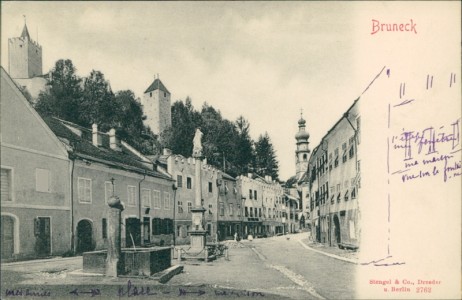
(43, 236)
(337, 229)
(132, 232)
(84, 236)
(7, 239)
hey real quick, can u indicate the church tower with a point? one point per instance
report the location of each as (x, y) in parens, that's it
(24, 56)
(157, 107)
(303, 151)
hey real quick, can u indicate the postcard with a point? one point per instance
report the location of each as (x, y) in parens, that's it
(248, 149)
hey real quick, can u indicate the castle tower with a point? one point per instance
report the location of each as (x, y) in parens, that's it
(303, 151)
(157, 107)
(24, 56)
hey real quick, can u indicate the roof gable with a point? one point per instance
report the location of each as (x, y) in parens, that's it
(156, 85)
(22, 125)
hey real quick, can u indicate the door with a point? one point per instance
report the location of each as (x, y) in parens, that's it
(337, 229)
(146, 230)
(43, 236)
(132, 232)
(7, 239)
(84, 236)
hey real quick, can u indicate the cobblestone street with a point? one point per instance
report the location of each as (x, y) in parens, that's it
(255, 269)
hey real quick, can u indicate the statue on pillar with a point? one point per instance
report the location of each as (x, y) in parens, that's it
(197, 142)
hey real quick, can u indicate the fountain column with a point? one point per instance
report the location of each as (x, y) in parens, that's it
(114, 236)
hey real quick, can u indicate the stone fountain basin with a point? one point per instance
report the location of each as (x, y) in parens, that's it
(132, 262)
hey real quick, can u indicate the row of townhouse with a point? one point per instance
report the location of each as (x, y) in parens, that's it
(242, 206)
(333, 183)
(220, 198)
(56, 178)
(264, 207)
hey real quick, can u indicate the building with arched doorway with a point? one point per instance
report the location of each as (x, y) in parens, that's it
(35, 189)
(334, 182)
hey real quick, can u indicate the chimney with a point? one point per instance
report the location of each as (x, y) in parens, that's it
(249, 175)
(113, 142)
(167, 151)
(96, 136)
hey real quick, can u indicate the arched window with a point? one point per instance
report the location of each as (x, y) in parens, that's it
(305, 157)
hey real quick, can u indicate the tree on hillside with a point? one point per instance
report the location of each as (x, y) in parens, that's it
(265, 157)
(64, 93)
(179, 136)
(243, 146)
(98, 102)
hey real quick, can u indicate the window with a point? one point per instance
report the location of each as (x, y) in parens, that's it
(189, 206)
(338, 188)
(222, 209)
(150, 94)
(358, 129)
(166, 200)
(259, 212)
(42, 180)
(146, 230)
(5, 185)
(189, 182)
(178, 231)
(131, 191)
(104, 228)
(165, 94)
(353, 193)
(352, 146)
(179, 181)
(255, 194)
(108, 190)
(234, 188)
(238, 210)
(255, 211)
(156, 196)
(226, 187)
(168, 226)
(304, 157)
(156, 226)
(231, 209)
(250, 194)
(336, 158)
(146, 197)
(180, 207)
(210, 209)
(84, 190)
(246, 211)
(344, 152)
(210, 187)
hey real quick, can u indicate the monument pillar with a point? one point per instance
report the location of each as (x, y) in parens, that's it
(114, 236)
(198, 232)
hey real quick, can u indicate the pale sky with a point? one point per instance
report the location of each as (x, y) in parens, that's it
(265, 61)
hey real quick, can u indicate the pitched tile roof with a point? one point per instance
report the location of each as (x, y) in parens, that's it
(156, 85)
(82, 147)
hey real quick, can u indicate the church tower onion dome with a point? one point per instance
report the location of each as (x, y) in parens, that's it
(302, 134)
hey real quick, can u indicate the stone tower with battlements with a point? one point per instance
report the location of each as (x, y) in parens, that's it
(157, 107)
(24, 56)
